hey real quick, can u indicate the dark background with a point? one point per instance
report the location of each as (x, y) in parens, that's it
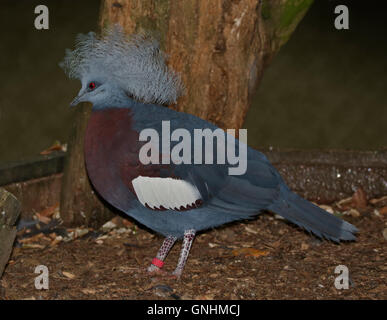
(325, 89)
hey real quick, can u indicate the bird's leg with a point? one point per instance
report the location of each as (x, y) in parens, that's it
(189, 236)
(158, 261)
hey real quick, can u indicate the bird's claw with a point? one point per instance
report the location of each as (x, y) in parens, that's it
(157, 272)
(152, 269)
(177, 273)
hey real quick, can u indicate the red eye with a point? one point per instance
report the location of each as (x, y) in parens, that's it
(91, 85)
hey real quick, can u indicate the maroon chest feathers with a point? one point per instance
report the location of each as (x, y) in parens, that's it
(112, 151)
(112, 160)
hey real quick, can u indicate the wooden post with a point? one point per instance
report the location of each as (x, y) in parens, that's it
(9, 213)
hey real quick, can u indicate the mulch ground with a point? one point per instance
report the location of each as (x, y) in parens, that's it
(266, 258)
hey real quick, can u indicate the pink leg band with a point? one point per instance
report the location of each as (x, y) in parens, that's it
(157, 262)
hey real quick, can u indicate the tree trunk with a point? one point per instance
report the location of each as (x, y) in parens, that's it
(219, 47)
(79, 203)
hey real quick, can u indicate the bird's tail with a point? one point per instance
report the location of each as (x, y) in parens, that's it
(312, 218)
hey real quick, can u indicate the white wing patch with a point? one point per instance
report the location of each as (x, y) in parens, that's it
(167, 193)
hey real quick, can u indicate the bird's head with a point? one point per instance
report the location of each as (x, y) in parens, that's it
(98, 91)
(91, 91)
(114, 67)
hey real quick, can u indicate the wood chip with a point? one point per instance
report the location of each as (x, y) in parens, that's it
(68, 275)
(33, 246)
(345, 204)
(56, 241)
(352, 213)
(45, 220)
(88, 291)
(326, 208)
(249, 230)
(205, 297)
(359, 199)
(34, 238)
(378, 200)
(249, 252)
(48, 212)
(383, 210)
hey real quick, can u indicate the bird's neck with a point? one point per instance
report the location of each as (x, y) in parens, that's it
(113, 103)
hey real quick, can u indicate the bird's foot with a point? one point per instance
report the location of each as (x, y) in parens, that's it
(152, 269)
(177, 273)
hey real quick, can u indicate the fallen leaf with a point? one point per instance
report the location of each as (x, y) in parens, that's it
(304, 246)
(57, 146)
(385, 233)
(249, 252)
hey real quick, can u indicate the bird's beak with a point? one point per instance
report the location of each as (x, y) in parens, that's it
(78, 98)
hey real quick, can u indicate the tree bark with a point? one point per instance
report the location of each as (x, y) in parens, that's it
(9, 213)
(79, 203)
(219, 47)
